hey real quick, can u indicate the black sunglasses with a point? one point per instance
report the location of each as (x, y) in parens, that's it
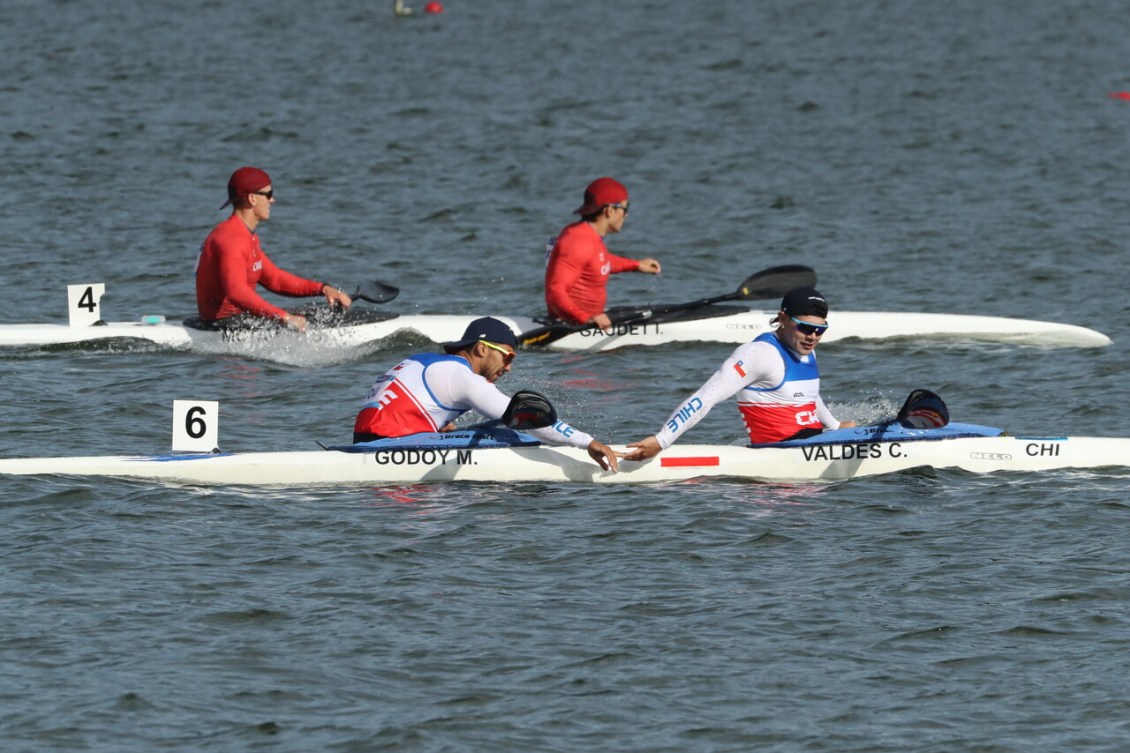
(269, 194)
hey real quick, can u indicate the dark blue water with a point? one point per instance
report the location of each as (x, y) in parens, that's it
(961, 157)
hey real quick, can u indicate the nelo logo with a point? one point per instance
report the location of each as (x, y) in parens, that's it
(990, 456)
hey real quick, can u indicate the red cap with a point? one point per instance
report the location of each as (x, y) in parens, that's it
(602, 192)
(243, 181)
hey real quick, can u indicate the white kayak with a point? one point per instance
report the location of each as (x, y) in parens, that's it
(833, 456)
(724, 324)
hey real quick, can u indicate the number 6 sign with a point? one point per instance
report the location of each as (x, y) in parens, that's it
(196, 425)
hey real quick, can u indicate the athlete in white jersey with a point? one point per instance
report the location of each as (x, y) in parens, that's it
(775, 378)
(427, 392)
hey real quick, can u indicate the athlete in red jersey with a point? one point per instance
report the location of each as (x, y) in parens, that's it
(231, 263)
(579, 264)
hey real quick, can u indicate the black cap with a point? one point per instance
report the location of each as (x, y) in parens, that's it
(805, 302)
(488, 328)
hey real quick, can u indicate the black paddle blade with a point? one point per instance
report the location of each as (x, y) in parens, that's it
(775, 282)
(375, 291)
(529, 410)
(923, 409)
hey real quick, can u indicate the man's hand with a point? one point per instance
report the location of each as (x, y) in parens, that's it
(601, 320)
(336, 297)
(647, 448)
(296, 322)
(604, 456)
(650, 266)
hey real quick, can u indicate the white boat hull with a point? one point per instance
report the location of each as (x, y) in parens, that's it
(733, 328)
(808, 463)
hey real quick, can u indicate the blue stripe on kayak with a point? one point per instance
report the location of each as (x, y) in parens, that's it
(892, 432)
(476, 439)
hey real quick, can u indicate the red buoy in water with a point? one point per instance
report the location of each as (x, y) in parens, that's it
(433, 7)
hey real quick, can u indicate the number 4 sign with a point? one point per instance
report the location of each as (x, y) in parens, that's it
(82, 303)
(196, 425)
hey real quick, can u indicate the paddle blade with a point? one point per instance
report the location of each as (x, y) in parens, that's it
(923, 409)
(375, 291)
(529, 410)
(775, 282)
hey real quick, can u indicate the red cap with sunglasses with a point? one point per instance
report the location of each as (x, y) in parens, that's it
(244, 181)
(600, 193)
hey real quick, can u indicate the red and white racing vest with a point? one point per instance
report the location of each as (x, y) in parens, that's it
(773, 414)
(401, 403)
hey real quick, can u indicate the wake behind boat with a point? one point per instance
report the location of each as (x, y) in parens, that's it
(487, 456)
